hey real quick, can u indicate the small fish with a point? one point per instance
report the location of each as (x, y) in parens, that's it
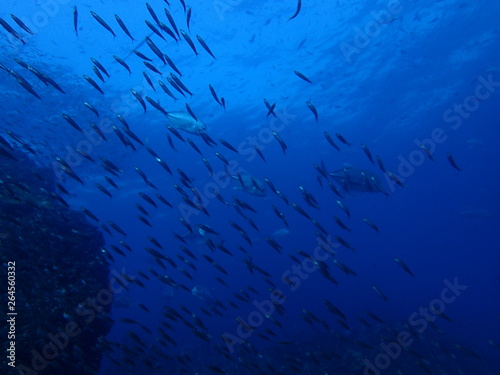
(148, 80)
(344, 208)
(123, 26)
(344, 243)
(111, 165)
(381, 295)
(190, 111)
(152, 12)
(102, 22)
(11, 31)
(111, 182)
(93, 83)
(172, 22)
(205, 46)
(394, 178)
(403, 266)
(75, 20)
(175, 86)
(259, 152)
(370, 223)
(22, 25)
(175, 132)
(374, 317)
(427, 152)
(139, 98)
(91, 107)
(166, 29)
(221, 157)
(97, 73)
(148, 199)
(341, 224)
(71, 122)
(209, 167)
(152, 68)
(380, 164)
(98, 131)
(300, 210)
(368, 153)
(89, 214)
(164, 165)
(25, 84)
(122, 63)
(189, 41)
(313, 110)
(342, 139)
(280, 141)
(156, 105)
(183, 5)
(452, 161)
(188, 19)
(163, 200)
(142, 56)
(297, 11)
(103, 189)
(270, 108)
(172, 65)
(300, 75)
(166, 90)
(273, 244)
(226, 144)
(330, 140)
(178, 81)
(155, 49)
(214, 94)
(154, 29)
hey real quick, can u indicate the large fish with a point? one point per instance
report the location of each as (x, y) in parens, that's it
(355, 179)
(186, 122)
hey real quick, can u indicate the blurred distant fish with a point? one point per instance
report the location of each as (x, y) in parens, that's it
(297, 11)
(75, 20)
(250, 184)
(313, 110)
(354, 179)
(452, 161)
(184, 121)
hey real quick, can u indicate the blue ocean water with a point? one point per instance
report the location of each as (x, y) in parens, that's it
(391, 75)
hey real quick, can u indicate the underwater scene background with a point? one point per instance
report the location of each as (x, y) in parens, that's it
(250, 187)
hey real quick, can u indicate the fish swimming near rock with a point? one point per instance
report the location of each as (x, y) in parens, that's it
(186, 122)
(355, 179)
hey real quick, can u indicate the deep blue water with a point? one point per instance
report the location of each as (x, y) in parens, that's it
(392, 90)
